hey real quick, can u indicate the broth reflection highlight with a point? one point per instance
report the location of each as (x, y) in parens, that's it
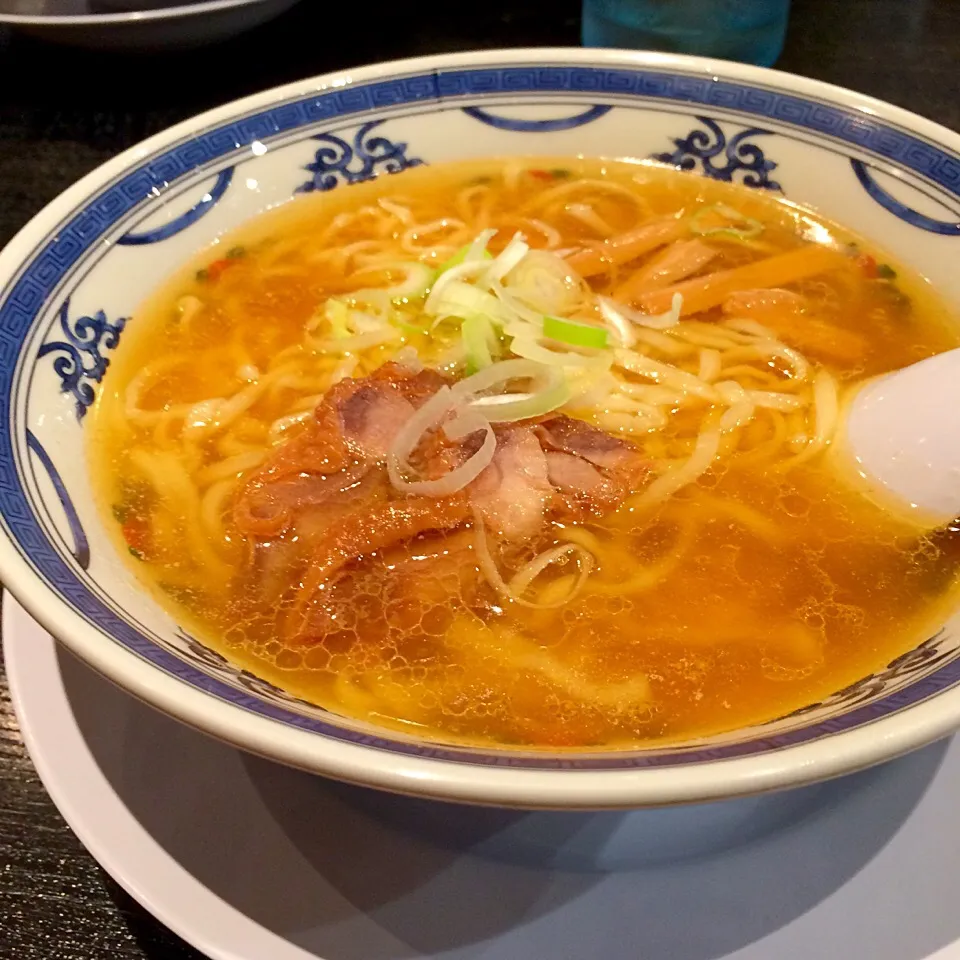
(525, 453)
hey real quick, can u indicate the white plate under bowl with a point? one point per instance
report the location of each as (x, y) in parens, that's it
(248, 860)
(189, 25)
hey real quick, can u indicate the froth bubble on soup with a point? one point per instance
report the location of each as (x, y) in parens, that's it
(525, 453)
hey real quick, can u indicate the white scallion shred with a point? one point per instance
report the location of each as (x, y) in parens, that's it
(432, 416)
(524, 577)
(511, 256)
(548, 391)
(479, 246)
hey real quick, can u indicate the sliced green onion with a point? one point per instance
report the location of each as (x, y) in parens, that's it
(618, 323)
(498, 375)
(478, 248)
(618, 313)
(460, 256)
(532, 349)
(370, 305)
(515, 307)
(671, 318)
(448, 319)
(741, 227)
(336, 312)
(511, 255)
(545, 282)
(547, 391)
(511, 407)
(469, 269)
(408, 327)
(524, 328)
(418, 280)
(576, 334)
(477, 333)
(427, 417)
(360, 322)
(461, 299)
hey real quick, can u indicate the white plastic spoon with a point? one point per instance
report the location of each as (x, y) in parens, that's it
(902, 436)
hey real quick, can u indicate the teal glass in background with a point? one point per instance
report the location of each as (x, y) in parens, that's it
(751, 31)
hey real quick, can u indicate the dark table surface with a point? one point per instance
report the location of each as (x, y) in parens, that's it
(63, 112)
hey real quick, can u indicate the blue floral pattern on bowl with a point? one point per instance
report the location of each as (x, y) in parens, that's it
(186, 220)
(340, 162)
(700, 149)
(80, 355)
(900, 209)
(537, 125)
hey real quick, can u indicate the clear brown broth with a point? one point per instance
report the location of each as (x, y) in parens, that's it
(791, 585)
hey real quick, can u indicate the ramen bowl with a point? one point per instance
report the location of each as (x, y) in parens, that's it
(138, 24)
(74, 276)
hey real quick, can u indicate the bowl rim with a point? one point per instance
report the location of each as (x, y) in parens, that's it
(196, 8)
(843, 752)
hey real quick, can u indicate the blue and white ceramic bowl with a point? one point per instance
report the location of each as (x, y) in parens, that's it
(73, 276)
